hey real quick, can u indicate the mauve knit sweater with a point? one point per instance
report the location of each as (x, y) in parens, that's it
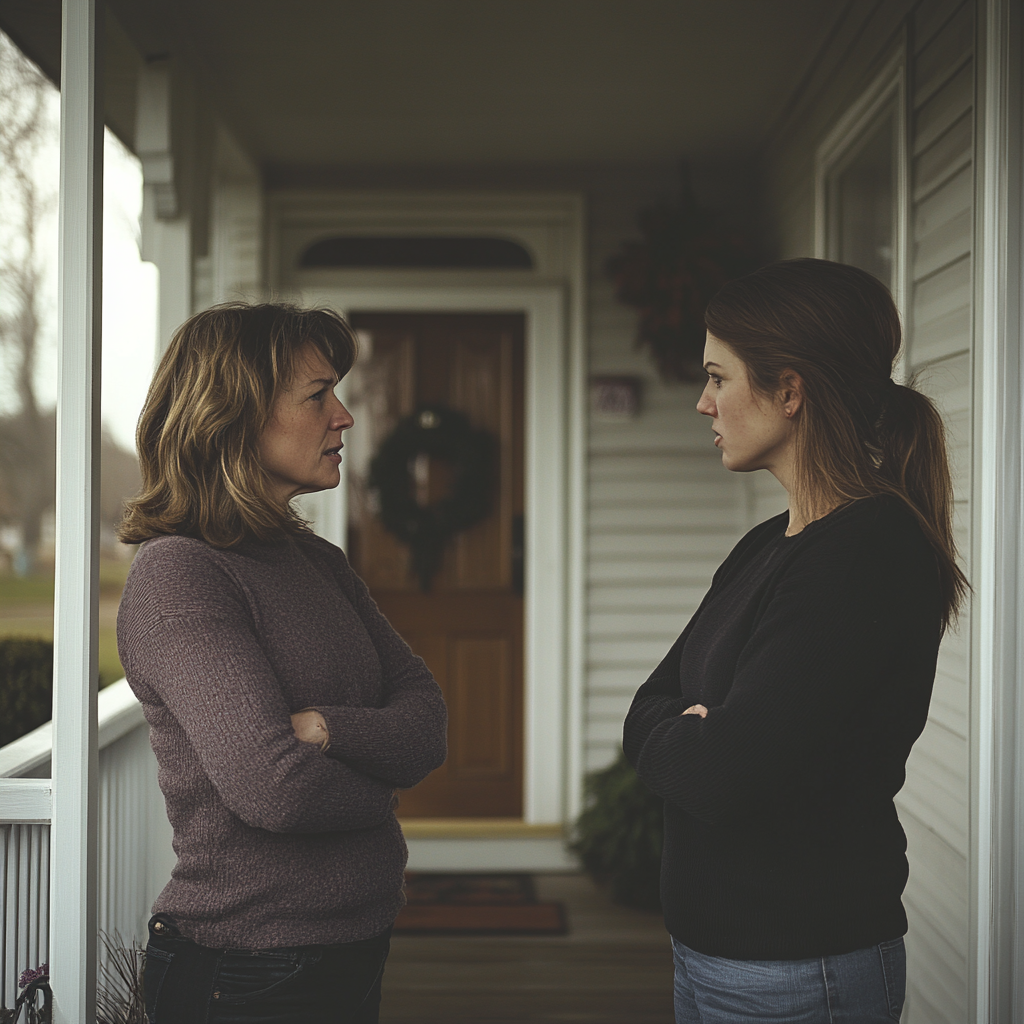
(815, 656)
(278, 844)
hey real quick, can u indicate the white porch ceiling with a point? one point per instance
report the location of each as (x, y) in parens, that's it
(487, 81)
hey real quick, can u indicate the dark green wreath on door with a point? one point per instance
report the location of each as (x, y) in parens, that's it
(444, 434)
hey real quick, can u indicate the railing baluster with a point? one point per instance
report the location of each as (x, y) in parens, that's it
(5, 923)
(131, 829)
(43, 908)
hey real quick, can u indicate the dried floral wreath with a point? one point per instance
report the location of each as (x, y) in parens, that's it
(687, 254)
(445, 434)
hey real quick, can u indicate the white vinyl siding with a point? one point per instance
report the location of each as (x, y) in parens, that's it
(933, 804)
(938, 38)
(662, 514)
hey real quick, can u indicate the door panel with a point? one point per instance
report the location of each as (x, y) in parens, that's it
(481, 693)
(469, 627)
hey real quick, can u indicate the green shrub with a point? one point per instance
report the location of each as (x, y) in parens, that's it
(26, 685)
(619, 836)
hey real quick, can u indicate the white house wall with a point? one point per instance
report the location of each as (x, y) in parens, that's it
(236, 225)
(938, 39)
(662, 512)
(934, 802)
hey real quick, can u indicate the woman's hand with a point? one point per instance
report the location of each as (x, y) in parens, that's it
(696, 709)
(309, 727)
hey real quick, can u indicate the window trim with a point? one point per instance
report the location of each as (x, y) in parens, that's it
(839, 146)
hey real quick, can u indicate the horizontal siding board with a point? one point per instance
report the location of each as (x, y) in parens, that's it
(940, 899)
(949, 695)
(650, 624)
(625, 571)
(658, 466)
(948, 155)
(938, 883)
(945, 709)
(684, 599)
(936, 788)
(614, 680)
(767, 508)
(683, 493)
(930, 18)
(962, 535)
(958, 440)
(606, 732)
(949, 49)
(681, 399)
(609, 706)
(701, 550)
(943, 225)
(657, 432)
(948, 384)
(948, 334)
(626, 652)
(681, 571)
(942, 315)
(936, 902)
(614, 363)
(599, 755)
(767, 497)
(944, 109)
(936, 985)
(707, 519)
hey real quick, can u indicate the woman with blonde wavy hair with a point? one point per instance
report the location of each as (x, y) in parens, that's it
(284, 710)
(778, 726)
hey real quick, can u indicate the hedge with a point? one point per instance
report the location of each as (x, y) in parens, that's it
(26, 685)
(619, 836)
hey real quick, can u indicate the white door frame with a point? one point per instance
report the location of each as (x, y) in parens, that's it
(551, 689)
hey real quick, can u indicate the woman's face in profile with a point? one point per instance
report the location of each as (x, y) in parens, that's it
(301, 445)
(751, 432)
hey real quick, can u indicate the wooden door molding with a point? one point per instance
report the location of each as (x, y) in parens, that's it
(552, 684)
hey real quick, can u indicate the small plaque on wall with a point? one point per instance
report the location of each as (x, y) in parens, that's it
(615, 398)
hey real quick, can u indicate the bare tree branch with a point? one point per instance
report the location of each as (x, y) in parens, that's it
(27, 435)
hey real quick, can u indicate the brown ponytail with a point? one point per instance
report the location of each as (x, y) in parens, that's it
(859, 433)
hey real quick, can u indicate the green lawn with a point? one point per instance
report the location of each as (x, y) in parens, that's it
(26, 609)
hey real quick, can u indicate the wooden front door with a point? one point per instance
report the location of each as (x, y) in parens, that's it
(469, 626)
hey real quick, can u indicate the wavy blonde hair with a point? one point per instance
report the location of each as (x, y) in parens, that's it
(211, 399)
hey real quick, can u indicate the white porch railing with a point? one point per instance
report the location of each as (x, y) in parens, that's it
(135, 856)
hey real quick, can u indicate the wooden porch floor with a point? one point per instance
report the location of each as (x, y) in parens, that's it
(614, 967)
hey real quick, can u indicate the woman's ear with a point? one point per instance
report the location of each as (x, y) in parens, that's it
(791, 393)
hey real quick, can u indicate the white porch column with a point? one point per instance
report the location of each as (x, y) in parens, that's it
(997, 869)
(73, 833)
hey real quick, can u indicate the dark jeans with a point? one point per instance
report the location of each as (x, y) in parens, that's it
(186, 983)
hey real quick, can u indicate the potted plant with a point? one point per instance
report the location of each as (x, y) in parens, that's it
(686, 255)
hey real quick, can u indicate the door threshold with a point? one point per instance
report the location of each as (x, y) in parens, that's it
(478, 828)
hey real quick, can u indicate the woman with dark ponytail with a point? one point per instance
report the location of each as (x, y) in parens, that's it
(778, 727)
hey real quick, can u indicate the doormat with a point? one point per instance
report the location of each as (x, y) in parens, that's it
(506, 904)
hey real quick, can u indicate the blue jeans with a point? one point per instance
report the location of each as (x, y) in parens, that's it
(867, 986)
(186, 983)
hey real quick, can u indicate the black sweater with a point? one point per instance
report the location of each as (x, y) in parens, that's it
(815, 656)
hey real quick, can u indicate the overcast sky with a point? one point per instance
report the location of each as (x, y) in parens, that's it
(129, 296)
(129, 293)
